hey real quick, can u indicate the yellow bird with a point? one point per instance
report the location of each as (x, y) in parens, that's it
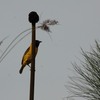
(27, 57)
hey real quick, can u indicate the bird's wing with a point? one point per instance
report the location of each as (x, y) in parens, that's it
(25, 55)
(28, 53)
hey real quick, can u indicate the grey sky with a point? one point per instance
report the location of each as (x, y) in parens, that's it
(79, 27)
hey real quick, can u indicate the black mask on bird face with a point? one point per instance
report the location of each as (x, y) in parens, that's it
(37, 42)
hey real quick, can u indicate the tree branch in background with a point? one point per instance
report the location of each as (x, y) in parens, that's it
(87, 82)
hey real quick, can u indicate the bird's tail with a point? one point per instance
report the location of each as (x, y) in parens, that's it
(21, 70)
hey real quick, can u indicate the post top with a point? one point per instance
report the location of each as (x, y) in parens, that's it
(33, 17)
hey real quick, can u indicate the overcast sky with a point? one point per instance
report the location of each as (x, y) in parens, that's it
(79, 26)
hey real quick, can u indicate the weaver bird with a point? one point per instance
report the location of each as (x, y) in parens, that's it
(27, 57)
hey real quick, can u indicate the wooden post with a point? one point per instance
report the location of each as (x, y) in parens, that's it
(33, 19)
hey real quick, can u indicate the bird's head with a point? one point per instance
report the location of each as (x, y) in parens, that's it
(37, 42)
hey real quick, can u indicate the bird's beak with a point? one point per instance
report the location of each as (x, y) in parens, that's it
(40, 41)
